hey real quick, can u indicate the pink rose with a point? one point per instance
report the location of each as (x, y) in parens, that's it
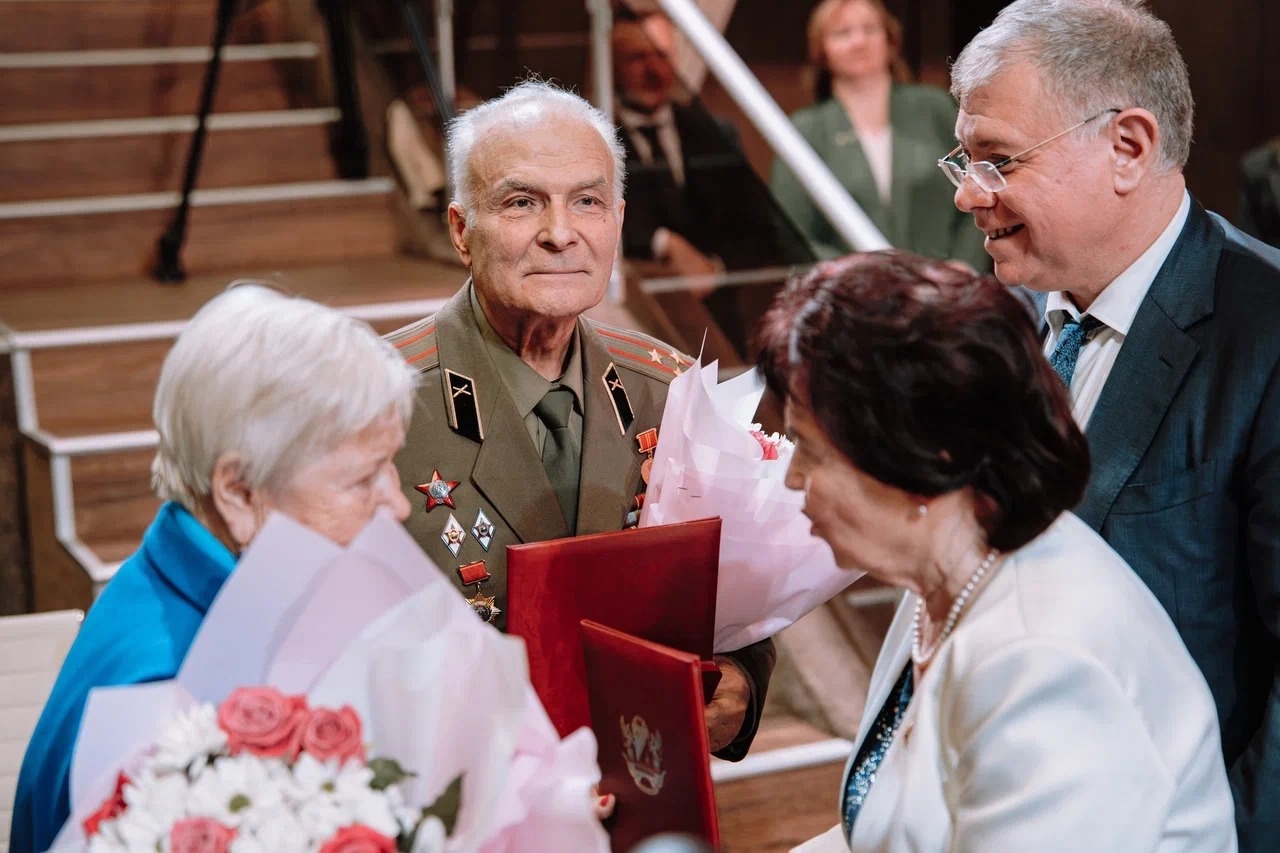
(200, 835)
(333, 734)
(262, 721)
(111, 808)
(359, 839)
(770, 449)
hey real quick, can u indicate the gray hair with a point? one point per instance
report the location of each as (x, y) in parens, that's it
(1092, 55)
(523, 105)
(277, 379)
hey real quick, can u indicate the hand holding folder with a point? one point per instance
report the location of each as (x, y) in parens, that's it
(646, 707)
(657, 583)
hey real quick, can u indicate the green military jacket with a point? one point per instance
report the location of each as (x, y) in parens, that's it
(471, 434)
(467, 429)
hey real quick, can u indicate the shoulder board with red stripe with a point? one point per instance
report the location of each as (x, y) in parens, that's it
(417, 343)
(642, 353)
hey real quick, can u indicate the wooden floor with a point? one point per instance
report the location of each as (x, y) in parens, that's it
(778, 811)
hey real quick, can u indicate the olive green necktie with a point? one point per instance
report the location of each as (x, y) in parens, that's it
(560, 454)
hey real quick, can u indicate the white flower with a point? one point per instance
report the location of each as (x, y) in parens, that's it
(156, 799)
(234, 788)
(332, 796)
(277, 831)
(189, 741)
(430, 837)
(139, 829)
(367, 806)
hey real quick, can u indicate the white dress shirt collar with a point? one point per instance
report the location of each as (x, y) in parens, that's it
(632, 119)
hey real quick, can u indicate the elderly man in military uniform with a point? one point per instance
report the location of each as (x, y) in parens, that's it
(529, 413)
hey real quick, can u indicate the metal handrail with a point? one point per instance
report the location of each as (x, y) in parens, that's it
(44, 339)
(841, 210)
(782, 760)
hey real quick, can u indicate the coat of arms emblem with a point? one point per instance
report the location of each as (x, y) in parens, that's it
(642, 750)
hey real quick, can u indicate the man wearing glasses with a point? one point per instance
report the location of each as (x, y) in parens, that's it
(1162, 319)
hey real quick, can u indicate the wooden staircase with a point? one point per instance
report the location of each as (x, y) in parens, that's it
(96, 112)
(97, 103)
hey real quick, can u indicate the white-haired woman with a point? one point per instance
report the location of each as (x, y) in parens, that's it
(265, 403)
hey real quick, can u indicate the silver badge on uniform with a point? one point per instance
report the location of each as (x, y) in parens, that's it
(453, 535)
(483, 530)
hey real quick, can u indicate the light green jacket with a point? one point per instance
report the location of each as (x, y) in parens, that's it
(920, 215)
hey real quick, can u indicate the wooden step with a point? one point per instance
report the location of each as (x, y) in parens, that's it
(57, 249)
(130, 160)
(568, 67)
(139, 299)
(27, 25)
(86, 390)
(113, 500)
(82, 391)
(775, 812)
(84, 92)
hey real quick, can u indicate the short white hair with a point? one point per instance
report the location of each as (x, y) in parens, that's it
(1092, 55)
(277, 379)
(524, 105)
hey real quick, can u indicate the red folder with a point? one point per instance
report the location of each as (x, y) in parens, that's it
(646, 710)
(657, 583)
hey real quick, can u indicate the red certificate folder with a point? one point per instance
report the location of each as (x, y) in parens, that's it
(646, 710)
(657, 583)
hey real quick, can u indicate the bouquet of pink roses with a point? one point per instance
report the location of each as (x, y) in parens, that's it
(263, 771)
(375, 631)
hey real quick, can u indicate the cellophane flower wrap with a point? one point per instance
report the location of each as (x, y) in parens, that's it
(711, 460)
(382, 705)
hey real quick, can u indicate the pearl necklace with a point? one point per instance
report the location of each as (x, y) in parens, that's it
(920, 655)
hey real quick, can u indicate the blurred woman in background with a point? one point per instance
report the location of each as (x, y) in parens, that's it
(880, 135)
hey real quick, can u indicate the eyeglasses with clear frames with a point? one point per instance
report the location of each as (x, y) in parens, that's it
(987, 175)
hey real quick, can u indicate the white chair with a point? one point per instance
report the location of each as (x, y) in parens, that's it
(31, 652)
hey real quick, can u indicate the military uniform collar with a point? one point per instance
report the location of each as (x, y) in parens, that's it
(525, 385)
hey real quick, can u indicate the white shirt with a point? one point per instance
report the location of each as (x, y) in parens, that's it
(877, 146)
(1116, 306)
(664, 119)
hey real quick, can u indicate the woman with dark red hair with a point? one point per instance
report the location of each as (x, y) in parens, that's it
(1031, 694)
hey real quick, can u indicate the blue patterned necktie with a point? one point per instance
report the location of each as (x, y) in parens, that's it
(874, 748)
(1074, 335)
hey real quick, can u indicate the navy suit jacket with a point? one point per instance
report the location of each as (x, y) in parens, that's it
(1185, 445)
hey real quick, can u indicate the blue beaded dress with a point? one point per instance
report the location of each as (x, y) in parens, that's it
(874, 747)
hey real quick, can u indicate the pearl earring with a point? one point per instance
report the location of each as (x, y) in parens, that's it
(922, 510)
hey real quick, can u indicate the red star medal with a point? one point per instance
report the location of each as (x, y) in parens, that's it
(438, 491)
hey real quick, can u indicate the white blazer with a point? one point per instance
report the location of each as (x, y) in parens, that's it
(1062, 714)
